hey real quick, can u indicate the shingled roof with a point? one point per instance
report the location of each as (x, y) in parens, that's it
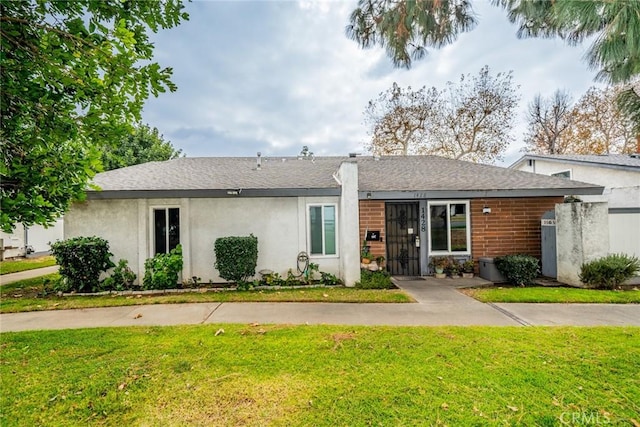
(215, 176)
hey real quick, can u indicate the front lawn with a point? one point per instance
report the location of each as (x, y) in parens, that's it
(26, 295)
(553, 295)
(321, 376)
(15, 266)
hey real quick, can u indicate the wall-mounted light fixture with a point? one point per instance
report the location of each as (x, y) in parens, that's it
(234, 192)
(368, 195)
(486, 210)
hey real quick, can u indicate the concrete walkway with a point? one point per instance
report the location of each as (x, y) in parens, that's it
(438, 303)
(5, 279)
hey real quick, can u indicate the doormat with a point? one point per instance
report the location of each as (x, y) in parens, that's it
(407, 278)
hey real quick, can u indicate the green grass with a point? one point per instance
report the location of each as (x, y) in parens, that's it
(7, 267)
(320, 376)
(26, 295)
(553, 295)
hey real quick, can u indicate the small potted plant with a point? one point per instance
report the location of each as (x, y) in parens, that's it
(367, 258)
(453, 269)
(467, 269)
(439, 264)
(380, 260)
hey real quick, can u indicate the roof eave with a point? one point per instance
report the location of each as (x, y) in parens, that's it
(475, 194)
(574, 162)
(212, 193)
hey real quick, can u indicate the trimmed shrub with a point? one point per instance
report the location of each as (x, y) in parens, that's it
(81, 261)
(609, 272)
(236, 257)
(121, 279)
(374, 280)
(161, 271)
(518, 269)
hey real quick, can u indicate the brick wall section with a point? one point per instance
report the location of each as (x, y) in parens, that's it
(372, 218)
(513, 226)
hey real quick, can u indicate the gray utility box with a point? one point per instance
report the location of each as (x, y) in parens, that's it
(489, 271)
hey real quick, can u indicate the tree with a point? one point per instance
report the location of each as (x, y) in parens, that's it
(470, 120)
(306, 153)
(549, 120)
(406, 27)
(599, 127)
(74, 76)
(143, 145)
(398, 120)
(594, 125)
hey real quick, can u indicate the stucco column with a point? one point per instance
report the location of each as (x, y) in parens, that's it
(349, 223)
(582, 235)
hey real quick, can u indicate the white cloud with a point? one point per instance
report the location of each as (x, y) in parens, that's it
(273, 76)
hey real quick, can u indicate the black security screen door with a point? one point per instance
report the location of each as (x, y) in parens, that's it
(403, 257)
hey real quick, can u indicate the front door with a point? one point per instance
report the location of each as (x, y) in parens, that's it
(403, 255)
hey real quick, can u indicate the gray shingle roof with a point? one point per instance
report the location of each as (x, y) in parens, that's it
(210, 173)
(624, 160)
(393, 173)
(400, 173)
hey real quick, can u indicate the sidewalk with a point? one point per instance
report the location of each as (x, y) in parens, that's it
(5, 279)
(438, 303)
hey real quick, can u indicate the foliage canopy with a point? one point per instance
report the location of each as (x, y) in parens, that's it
(75, 75)
(144, 145)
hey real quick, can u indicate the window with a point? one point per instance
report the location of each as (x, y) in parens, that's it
(166, 229)
(563, 174)
(449, 229)
(323, 236)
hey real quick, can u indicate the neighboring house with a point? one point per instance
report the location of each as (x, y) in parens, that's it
(618, 173)
(30, 240)
(413, 207)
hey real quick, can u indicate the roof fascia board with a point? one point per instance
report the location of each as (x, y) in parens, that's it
(216, 194)
(475, 194)
(575, 162)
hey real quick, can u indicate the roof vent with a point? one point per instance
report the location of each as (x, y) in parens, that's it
(259, 161)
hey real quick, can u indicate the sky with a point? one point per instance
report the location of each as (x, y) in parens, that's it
(273, 76)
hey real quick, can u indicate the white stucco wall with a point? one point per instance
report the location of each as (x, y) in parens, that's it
(350, 223)
(624, 233)
(274, 221)
(622, 187)
(279, 223)
(582, 236)
(114, 220)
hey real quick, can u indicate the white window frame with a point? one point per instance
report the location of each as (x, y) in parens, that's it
(152, 231)
(557, 174)
(448, 204)
(308, 219)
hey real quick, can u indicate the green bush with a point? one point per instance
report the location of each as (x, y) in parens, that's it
(518, 269)
(121, 279)
(374, 280)
(161, 271)
(328, 279)
(236, 257)
(610, 271)
(81, 261)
